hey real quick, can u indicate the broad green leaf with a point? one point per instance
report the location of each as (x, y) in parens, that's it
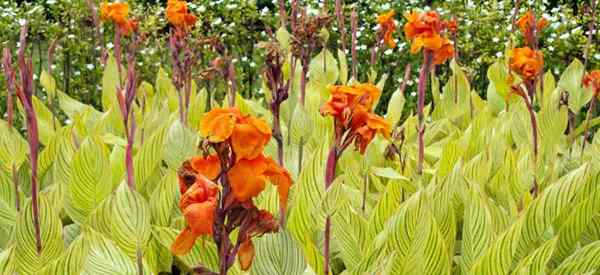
(395, 107)
(90, 180)
(148, 158)
(286, 259)
(27, 259)
(570, 81)
(343, 67)
(181, 143)
(498, 76)
(536, 262)
(110, 82)
(582, 261)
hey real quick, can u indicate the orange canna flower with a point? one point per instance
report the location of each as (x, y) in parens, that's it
(445, 52)
(345, 97)
(115, 12)
(351, 107)
(388, 27)
(592, 80)
(248, 177)
(366, 125)
(208, 166)
(248, 135)
(198, 206)
(527, 21)
(217, 125)
(424, 30)
(246, 254)
(178, 14)
(452, 26)
(422, 24)
(118, 13)
(526, 62)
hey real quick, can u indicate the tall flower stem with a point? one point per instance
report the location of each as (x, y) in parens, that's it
(25, 94)
(354, 27)
(427, 56)
(588, 116)
(339, 13)
(332, 159)
(534, 129)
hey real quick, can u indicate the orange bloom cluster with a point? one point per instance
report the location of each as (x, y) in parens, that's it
(243, 138)
(118, 13)
(179, 15)
(526, 62)
(198, 203)
(351, 107)
(452, 26)
(526, 24)
(592, 80)
(388, 27)
(248, 136)
(425, 31)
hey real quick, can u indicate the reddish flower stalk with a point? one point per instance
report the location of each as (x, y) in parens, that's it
(126, 97)
(182, 59)
(97, 28)
(591, 10)
(354, 26)
(339, 13)
(282, 14)
(273, 73)
(24, 93)
(239, 166)
(425, 68)
(351, 107)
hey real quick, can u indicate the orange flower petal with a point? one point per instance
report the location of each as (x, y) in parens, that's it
(200, 216)
(249, 139)
(280, 178)
(183, 242)
(246, 178)
(200, 191)
(246, 254)
(217, 125)
(208, 166)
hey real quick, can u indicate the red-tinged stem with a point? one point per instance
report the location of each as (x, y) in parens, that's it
(233, 86)
(591, 29)
(129, 163)
(354, 26)
(282, 15)
(340, 17)
(588, 116)
(332, 158)
(420, 106)
(32, 134)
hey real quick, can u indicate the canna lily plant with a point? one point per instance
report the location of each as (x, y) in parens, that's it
(425, 31)
(217, 189)
(127, 188)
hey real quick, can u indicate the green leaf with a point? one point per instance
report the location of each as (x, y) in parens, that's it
(477, 231)
(124, 218)
(498, 76)
(27, 259)
(286, 259)
(283, 37)
(48, 83)
(570, 81)
(180, 145)
(110, 82)
(163, 199)
(148, 158)
(90, 179)
(582, 261)
(395, 107)
(203, 253)
(536, 262)
(343, 67)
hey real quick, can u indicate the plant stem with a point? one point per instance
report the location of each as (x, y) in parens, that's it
(365, 185)
(420, 106)
(354, 26)
(588, 116)
(340, 18)
(332, 158)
